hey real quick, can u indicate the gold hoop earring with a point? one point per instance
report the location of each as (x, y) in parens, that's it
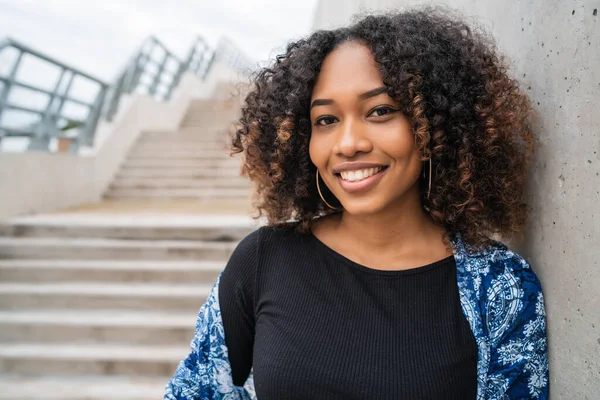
(321, 195)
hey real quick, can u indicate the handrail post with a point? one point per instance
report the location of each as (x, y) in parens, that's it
(130, 73)
(115, 98)
(9, 82)
(208, 66)
(66, 92)
(183, 66)
(86, 137)
(139, 70)
(159, 73)
(47, 126)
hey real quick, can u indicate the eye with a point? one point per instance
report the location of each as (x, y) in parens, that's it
(325, 119)
(382, 111)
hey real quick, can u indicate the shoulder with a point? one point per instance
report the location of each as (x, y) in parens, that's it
(507, 268)
(266, 239)
(506, 287)
(496, 261)
(280, 236)
(513, 319)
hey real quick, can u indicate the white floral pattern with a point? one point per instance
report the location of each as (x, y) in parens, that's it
(206, 372)
(501, 298)
(503, 302)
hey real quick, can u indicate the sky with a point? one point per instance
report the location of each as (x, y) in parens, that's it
(98, 37)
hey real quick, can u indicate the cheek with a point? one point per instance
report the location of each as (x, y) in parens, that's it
(317, 150)
(399, 143)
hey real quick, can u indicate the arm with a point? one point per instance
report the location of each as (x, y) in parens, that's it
(515, 318)
(216, 368)
(206, 372)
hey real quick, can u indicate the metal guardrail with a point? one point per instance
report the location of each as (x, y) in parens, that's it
(145, 74)
(153, 70)
(46, 127)
(229, 54)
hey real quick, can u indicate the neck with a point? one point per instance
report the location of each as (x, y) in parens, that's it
(401, 228)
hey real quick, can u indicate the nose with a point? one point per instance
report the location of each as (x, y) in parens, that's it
(352, 139)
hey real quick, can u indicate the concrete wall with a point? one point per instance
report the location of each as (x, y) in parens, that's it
(555, 49)
(36, 182)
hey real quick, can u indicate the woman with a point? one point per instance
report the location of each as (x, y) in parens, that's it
(385, 154)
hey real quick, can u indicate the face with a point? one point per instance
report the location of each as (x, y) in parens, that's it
(361, 144)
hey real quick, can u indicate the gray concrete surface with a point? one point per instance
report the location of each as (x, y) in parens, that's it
(554, 46)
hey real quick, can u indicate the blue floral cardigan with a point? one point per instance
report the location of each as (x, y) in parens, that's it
(501, 298)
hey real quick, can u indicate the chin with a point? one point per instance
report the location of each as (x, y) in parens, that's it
(362, 207)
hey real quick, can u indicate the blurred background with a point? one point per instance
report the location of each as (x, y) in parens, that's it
(100, 39)
(120, 204)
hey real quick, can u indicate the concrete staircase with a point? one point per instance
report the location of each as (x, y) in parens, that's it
(103, 306)
(193, 162)
(97, 307)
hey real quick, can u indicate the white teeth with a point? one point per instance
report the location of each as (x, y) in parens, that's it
(358, 175)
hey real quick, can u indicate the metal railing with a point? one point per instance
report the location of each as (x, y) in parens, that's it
(157, 77)
(228, 53)
(49, 117)
(153, 70)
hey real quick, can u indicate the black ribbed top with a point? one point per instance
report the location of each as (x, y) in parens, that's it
(315, 325)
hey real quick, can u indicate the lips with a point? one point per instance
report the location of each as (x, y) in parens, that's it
(362, 184)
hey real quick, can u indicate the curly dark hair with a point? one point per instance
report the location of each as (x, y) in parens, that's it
(467, 114)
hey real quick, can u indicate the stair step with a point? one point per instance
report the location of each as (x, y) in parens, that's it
(185, 137)
(211, 104)
(94, 249)
(201, 134)
(182, 150)
(208, 110)
(211, 113)
(181, 183)
(173, 146)
(93, 326)
(178, 154)
(81, 387)
(226, 162)
(204, 155)
(101, 359)
(202, 111)
(208, 124)
(193, 173)
(105, 271)
(146, 227)
(171, 207)
(88, 295)
(210, 118)
(178, 193)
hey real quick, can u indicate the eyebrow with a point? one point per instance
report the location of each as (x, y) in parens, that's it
(364, 96)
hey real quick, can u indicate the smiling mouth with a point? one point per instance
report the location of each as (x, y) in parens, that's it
(360, 175)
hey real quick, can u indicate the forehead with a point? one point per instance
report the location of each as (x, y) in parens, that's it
(349, 68)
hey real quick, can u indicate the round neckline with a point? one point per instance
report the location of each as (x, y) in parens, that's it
(411, 271)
